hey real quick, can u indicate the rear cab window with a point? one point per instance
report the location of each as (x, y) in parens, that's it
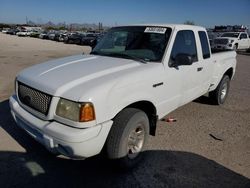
(204, 44)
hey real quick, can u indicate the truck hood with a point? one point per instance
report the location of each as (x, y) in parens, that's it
(59, 76)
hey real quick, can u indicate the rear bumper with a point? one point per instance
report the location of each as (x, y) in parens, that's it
(59, 138)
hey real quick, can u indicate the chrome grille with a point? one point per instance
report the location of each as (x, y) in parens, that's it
(33, 98)
(220, 41)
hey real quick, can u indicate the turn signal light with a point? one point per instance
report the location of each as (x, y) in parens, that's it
(87, 113)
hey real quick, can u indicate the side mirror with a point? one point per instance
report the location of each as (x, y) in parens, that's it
(182, 59)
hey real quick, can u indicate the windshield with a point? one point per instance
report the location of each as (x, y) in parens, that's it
(234, 35)
(134, 42)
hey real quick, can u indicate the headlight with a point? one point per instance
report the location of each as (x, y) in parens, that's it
(231, 41)
(79, 112)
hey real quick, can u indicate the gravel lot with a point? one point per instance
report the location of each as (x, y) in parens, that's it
(208, 146)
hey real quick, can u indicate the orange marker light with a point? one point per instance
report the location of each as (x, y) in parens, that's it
(87, 112)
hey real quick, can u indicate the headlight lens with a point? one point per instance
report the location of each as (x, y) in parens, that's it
(79, 112)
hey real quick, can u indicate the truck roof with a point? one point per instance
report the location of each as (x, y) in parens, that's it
(177, 26)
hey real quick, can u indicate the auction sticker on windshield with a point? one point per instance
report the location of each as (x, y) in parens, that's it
(160, 30)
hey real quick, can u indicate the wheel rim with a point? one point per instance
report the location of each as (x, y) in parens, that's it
(135, 141)
(223, 92)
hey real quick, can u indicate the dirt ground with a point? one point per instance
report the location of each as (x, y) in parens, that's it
(208, 146)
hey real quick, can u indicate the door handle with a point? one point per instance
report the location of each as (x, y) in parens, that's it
(199, 69)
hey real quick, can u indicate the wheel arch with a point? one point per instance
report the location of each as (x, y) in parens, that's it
(229, 73)
(150, 110)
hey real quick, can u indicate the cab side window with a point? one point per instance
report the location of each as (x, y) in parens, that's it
(184, 44)
(204, 44)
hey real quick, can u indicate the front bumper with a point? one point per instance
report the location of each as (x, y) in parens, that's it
(60, 138)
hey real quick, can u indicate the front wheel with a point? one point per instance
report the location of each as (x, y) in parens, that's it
(127, 137)
(220, 94)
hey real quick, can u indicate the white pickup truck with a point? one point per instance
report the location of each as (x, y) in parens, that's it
(232, 41)
(111, 99)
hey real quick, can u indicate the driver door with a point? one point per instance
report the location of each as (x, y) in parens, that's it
(185, 43)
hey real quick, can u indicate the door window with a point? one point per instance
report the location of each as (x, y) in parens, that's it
(184, 44)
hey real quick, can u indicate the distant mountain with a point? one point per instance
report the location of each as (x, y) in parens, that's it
(70, 26)
(75, 26)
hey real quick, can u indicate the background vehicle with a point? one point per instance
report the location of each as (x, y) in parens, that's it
(51, 35)
(12, 31)
(4, 30)
(73, 38)
(212, 36)
(57, 35)
(23, 33)
(35, 34)
(89, 39)
(62, 37)
(44, 35)
(112, 98)
(232, 41)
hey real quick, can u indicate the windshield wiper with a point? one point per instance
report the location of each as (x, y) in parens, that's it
(127, 57)
(120, 55)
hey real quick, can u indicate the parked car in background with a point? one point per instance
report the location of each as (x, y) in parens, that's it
(62, 37)
(4, 30)
(54, 35)
(212, 36)
(12, 31)
(51, 35)
(89, 39)
(232, 41)
(57, 35)
(44, 35)
(35, 34)
(23, 33)
(74, 38)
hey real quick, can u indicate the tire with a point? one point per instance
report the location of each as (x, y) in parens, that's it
(127, 138)
(219, 95)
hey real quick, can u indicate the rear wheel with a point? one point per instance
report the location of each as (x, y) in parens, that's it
(220, 94)
(127, 137)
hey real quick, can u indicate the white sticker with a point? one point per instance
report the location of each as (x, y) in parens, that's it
(160, 30)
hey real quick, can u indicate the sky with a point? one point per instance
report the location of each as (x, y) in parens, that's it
(122, 12)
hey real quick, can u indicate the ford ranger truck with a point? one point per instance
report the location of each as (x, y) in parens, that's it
(232, 41)
(111, 99)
